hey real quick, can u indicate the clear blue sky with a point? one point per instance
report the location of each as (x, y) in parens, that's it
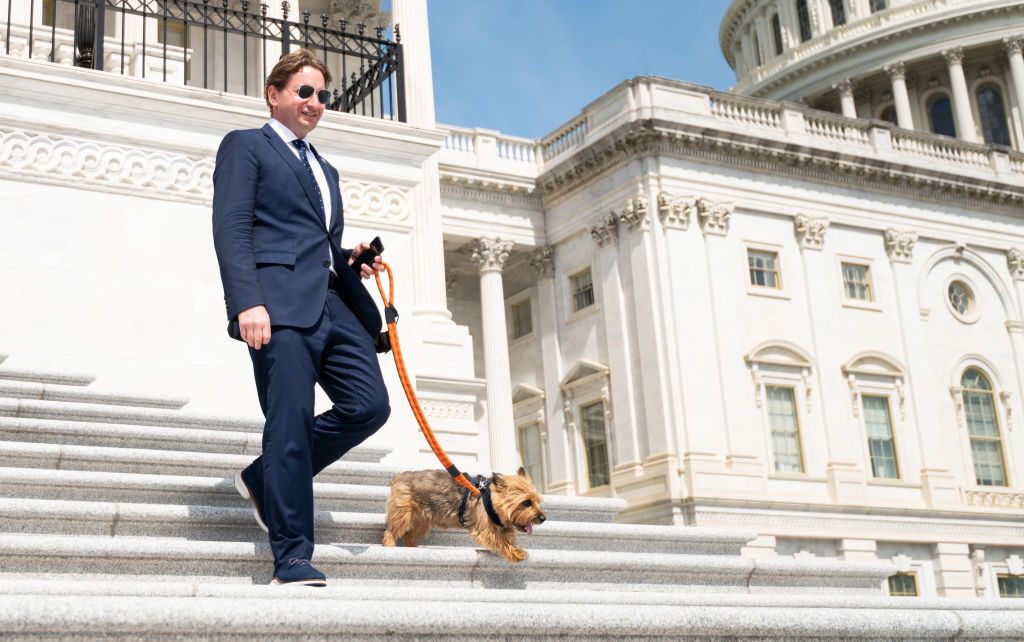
(524, 67)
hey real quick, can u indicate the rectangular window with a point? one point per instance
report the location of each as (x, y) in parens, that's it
(521, 322)
(595, 443)
(903, 585)
(878, 421)
(877, 5)
(986, 445)
(530, 450)
(1011, 585)
(764, 269)
(582, 285)
(857, 282)
(175, 32)
(785, 429)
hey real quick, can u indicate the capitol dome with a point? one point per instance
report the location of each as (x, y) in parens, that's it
(951, 67)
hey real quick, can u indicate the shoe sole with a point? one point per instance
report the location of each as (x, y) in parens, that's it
(277, 582)
(243, 490)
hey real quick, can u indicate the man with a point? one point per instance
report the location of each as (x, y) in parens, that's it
(293, 297)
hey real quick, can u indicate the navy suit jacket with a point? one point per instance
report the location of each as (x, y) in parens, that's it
(271, 240)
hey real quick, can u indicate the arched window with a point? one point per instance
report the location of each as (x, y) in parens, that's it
(993, 115)
(940, 114)
(983, 428)
(757, 51)
(777, 34)
(889, 115)
(804, 18)
(838, 12)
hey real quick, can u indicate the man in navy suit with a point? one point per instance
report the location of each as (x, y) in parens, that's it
(293, 297)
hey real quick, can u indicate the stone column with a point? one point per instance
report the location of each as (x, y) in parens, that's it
(897, 75)
(961, 98)
(845, 89)
(428, 289)
(559, 451)
(1014, 48)
(490, 255)
(954, 575)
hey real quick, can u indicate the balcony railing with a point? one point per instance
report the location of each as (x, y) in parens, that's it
(227, 45)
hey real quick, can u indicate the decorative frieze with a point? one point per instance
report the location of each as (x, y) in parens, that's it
(899, 244)
(995, 499)
(674, 211)
(375, 201)
(714, 217)
(1015, 259)
(810, 230)
(605, 230)
(542, 261)
(634, 214)
(460, 411)
(490, 254)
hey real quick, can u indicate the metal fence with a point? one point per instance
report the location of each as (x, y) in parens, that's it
(223, 45)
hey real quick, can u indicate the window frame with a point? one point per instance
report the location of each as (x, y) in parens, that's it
(778, 292)
(963, 421)
(805, 25)
(585, 450)
(511, 303)
(572, 313)
(910, 574)
(999, 589)
(995, 83)
(859, 304)
(974, 311)
(874, 394)
(794, 389)
(538, 423)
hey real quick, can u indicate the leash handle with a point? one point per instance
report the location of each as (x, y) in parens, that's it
(391, 314)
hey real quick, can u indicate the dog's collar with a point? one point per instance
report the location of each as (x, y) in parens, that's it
(484, 485)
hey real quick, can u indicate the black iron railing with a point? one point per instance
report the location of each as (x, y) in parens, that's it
(219, 44)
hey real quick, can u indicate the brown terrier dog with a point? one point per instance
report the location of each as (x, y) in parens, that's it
(420, 500)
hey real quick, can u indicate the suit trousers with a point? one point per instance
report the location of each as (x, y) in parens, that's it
(338, 354)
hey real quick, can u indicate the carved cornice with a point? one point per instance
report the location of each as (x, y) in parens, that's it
(634, 214)
(810, 230)
(491, 192)
(1015, 259)
(642, 138)
(605, 229)
(899, 244)
(953, 56)
(542, 262)
(33, 156)
(490, 254)
(675, 211)
(714, 217)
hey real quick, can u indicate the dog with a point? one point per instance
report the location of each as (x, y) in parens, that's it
(431, 498)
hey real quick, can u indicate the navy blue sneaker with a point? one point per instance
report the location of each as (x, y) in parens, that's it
(299, 572)
(249, 489)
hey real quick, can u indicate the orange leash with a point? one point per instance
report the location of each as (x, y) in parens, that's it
(391, 316)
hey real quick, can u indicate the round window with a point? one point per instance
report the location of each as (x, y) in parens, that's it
(961, 300)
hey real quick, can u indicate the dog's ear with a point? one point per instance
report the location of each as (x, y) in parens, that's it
(521, 472)
(497, 480)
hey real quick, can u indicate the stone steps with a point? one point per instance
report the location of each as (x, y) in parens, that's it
(46, 376)
(222, 523)
(59, 392)
(41, 483)
(115, 414)
(151, 558)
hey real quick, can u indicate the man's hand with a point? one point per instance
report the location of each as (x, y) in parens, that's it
(366, 270)
(254, 324)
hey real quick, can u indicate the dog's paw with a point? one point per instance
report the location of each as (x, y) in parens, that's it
(516, 555)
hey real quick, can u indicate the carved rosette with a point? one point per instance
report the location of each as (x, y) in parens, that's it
(675, 211)
(634, 214)
(1015, 259)
(953, 56)
(899, 244)
(896, 70)
(605, 230)
(1014, 45)
(714, 217)
(543, 262)
(490, 254)
(810, 230)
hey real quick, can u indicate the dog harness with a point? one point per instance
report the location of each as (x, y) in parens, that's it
(483, 485)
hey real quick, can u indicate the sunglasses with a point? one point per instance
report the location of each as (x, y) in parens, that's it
(305, 91)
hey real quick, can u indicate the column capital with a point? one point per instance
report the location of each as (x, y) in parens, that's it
(1015, 259)
(542, 261)
(844, 87)
(1014, 45)
(634, 214)
(810, 230)
(675, 211)
(899, 244)
(953, 56)
(714, 217)
(896, 70)
(605, 229)
(490, 254)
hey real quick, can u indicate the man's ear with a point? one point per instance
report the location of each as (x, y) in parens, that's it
(272, 96)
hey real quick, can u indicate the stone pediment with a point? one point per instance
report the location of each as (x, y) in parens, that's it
(779, 353)
(874, 364)
(523, 393)
(583, 373)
